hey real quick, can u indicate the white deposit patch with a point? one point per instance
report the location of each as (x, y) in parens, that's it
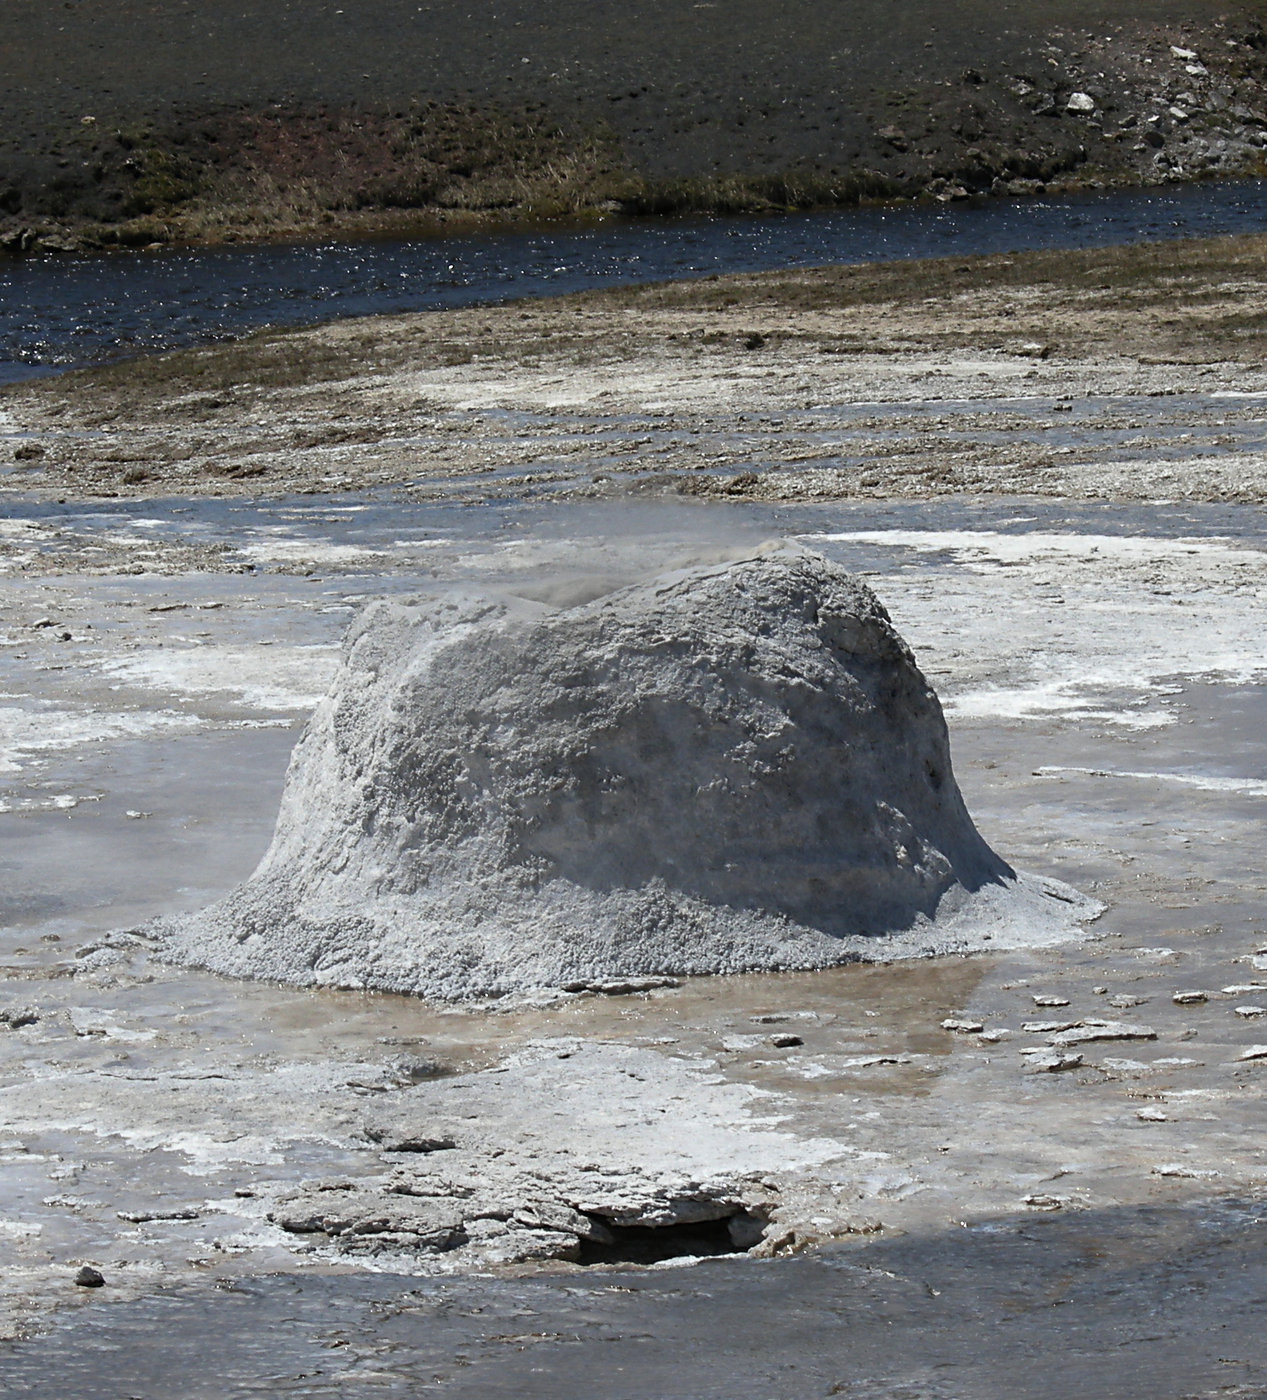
(266, 678)
(1085, 626)
(992, 549)
(1248, 787)
(289, 550)
(26, 734)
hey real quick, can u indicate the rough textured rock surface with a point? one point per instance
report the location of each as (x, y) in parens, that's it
(724, 769)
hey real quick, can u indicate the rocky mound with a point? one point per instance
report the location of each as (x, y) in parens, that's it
(725, 769)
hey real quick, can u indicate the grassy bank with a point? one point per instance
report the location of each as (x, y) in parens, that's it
(404, 119)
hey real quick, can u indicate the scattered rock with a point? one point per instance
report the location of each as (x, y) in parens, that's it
(1050, 1001)
(1041, 1201)
(1189, 998)
(88, 1277)
(1122, 1001)
(1180, 1170)
(952, 1023)
(1047, 1027)
(1151, 1115)
(1102, 1030)
(1080, 102)
(1253, 1052)
(1040, 1061)
(1250, 1011)
(1118, 1066)
(1243, 989)
(785, 1040)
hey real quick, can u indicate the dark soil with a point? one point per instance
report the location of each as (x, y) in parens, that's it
(131, 121)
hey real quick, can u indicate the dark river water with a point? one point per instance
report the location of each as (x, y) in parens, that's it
(58, 311)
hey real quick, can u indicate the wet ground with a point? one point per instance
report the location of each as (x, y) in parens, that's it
(1089, 1231)
(1164, 1301)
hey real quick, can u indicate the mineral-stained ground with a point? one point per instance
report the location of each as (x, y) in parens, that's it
(1049, 468)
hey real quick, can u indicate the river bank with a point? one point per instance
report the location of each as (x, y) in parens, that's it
(1121, 373)
(405, 121)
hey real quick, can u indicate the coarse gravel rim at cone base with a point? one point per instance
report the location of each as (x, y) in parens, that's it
(724, 769)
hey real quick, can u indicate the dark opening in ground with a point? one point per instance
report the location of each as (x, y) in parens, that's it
(646, 1244)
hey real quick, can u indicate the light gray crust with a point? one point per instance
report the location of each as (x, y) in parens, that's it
(722, 770)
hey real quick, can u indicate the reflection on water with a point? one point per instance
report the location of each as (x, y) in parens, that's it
(56, 311)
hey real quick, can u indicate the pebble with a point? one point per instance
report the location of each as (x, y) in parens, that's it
(964, 1027)
(1189, 998)
(1050, 1001)
(88, 1277)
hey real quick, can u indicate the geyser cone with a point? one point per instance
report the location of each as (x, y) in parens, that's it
(724, 769)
